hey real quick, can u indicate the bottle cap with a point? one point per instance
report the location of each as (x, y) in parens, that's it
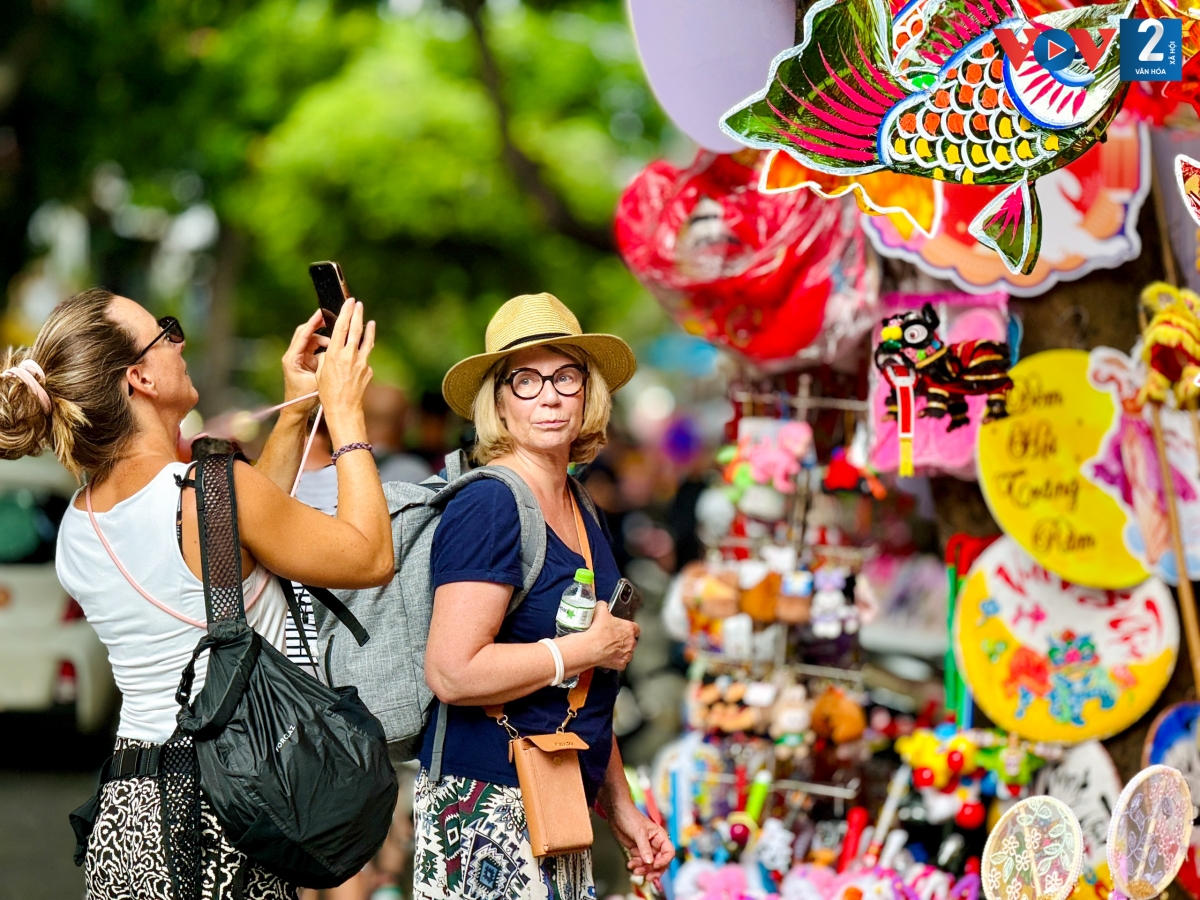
(585, 576)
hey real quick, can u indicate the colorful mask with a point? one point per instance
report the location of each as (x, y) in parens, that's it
(931, 93)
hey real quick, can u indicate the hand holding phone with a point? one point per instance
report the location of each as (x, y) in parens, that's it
(344, 370)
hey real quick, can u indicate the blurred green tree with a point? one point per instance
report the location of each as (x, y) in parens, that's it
(448, 155)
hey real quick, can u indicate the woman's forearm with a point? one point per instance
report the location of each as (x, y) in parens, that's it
(500, 673)
(615, 791)
(280, 459)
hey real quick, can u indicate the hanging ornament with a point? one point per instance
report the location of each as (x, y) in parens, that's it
(1086, 780)
(932, 93)
(1172, 741)
(1090, 211)
(1127, 468)
(1187, 177)
(934, 427)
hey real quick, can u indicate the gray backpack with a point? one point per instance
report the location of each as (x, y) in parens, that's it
(389, 668)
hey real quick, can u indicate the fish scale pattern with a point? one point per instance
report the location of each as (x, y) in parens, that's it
(966, 129)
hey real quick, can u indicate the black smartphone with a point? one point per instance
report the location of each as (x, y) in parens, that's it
(625, 600)
(332, 292)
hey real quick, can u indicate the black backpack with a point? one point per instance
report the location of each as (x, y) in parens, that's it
(297, 773)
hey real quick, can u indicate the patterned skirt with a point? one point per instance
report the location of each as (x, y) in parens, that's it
(126, 857)
(472, 844)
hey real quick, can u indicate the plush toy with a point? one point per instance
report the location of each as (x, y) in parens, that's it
(938, 757)
(719, 707)
(945, 767)
(793, 606)
(836, 715)
(831, 614)
(712, 593)
(790, 721)
(760, 598)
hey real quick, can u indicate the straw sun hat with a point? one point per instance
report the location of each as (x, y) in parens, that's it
(534, 320)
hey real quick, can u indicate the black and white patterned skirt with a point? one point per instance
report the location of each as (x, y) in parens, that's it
(126, 856)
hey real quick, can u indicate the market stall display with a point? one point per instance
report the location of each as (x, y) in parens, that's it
(860, 720)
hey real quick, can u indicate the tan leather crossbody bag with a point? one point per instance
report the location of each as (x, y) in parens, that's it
(548, 771)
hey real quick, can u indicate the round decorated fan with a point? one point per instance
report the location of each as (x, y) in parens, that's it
(1149, 834)
(1035, 852)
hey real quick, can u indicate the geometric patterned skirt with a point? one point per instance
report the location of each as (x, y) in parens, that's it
(127, 859)
(472, 844)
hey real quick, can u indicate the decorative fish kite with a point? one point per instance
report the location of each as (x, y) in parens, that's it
(933, 92)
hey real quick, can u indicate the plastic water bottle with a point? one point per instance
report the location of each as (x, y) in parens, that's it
(576, 610)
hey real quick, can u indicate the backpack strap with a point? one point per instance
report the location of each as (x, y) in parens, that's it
(220, 543)
(533, 523)
(457, 465)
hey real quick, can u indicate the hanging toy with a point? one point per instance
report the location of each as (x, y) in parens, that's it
(832, 615)
(915, 362)
(934, 92)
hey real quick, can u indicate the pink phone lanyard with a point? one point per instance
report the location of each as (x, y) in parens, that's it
(137, 587)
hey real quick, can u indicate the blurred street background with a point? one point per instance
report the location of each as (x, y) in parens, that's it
(197, 155)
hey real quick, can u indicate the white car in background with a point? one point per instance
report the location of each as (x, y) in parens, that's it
(49, 655)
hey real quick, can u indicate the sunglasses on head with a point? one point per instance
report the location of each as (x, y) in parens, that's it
(171, 330)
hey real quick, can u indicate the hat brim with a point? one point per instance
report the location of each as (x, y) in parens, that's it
(611, 355)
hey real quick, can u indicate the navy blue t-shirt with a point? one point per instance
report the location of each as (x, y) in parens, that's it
(478, 539)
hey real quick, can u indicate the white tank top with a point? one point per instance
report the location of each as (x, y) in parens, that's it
(148, 648)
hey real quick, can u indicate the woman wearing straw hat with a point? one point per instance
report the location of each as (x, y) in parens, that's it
(540, 398)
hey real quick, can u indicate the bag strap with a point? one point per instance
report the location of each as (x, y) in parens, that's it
(220, 543)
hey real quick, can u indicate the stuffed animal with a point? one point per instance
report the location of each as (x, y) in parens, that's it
(794, 604)
(712, 593)
(836, 716)
(831, 614)
(790, 721)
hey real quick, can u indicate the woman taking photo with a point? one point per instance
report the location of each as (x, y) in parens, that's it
(540, 399)
(105, 387)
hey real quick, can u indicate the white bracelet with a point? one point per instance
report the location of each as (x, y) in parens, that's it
(560, 670)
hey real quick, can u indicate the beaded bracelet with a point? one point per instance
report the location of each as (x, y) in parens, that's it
(357, 445)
